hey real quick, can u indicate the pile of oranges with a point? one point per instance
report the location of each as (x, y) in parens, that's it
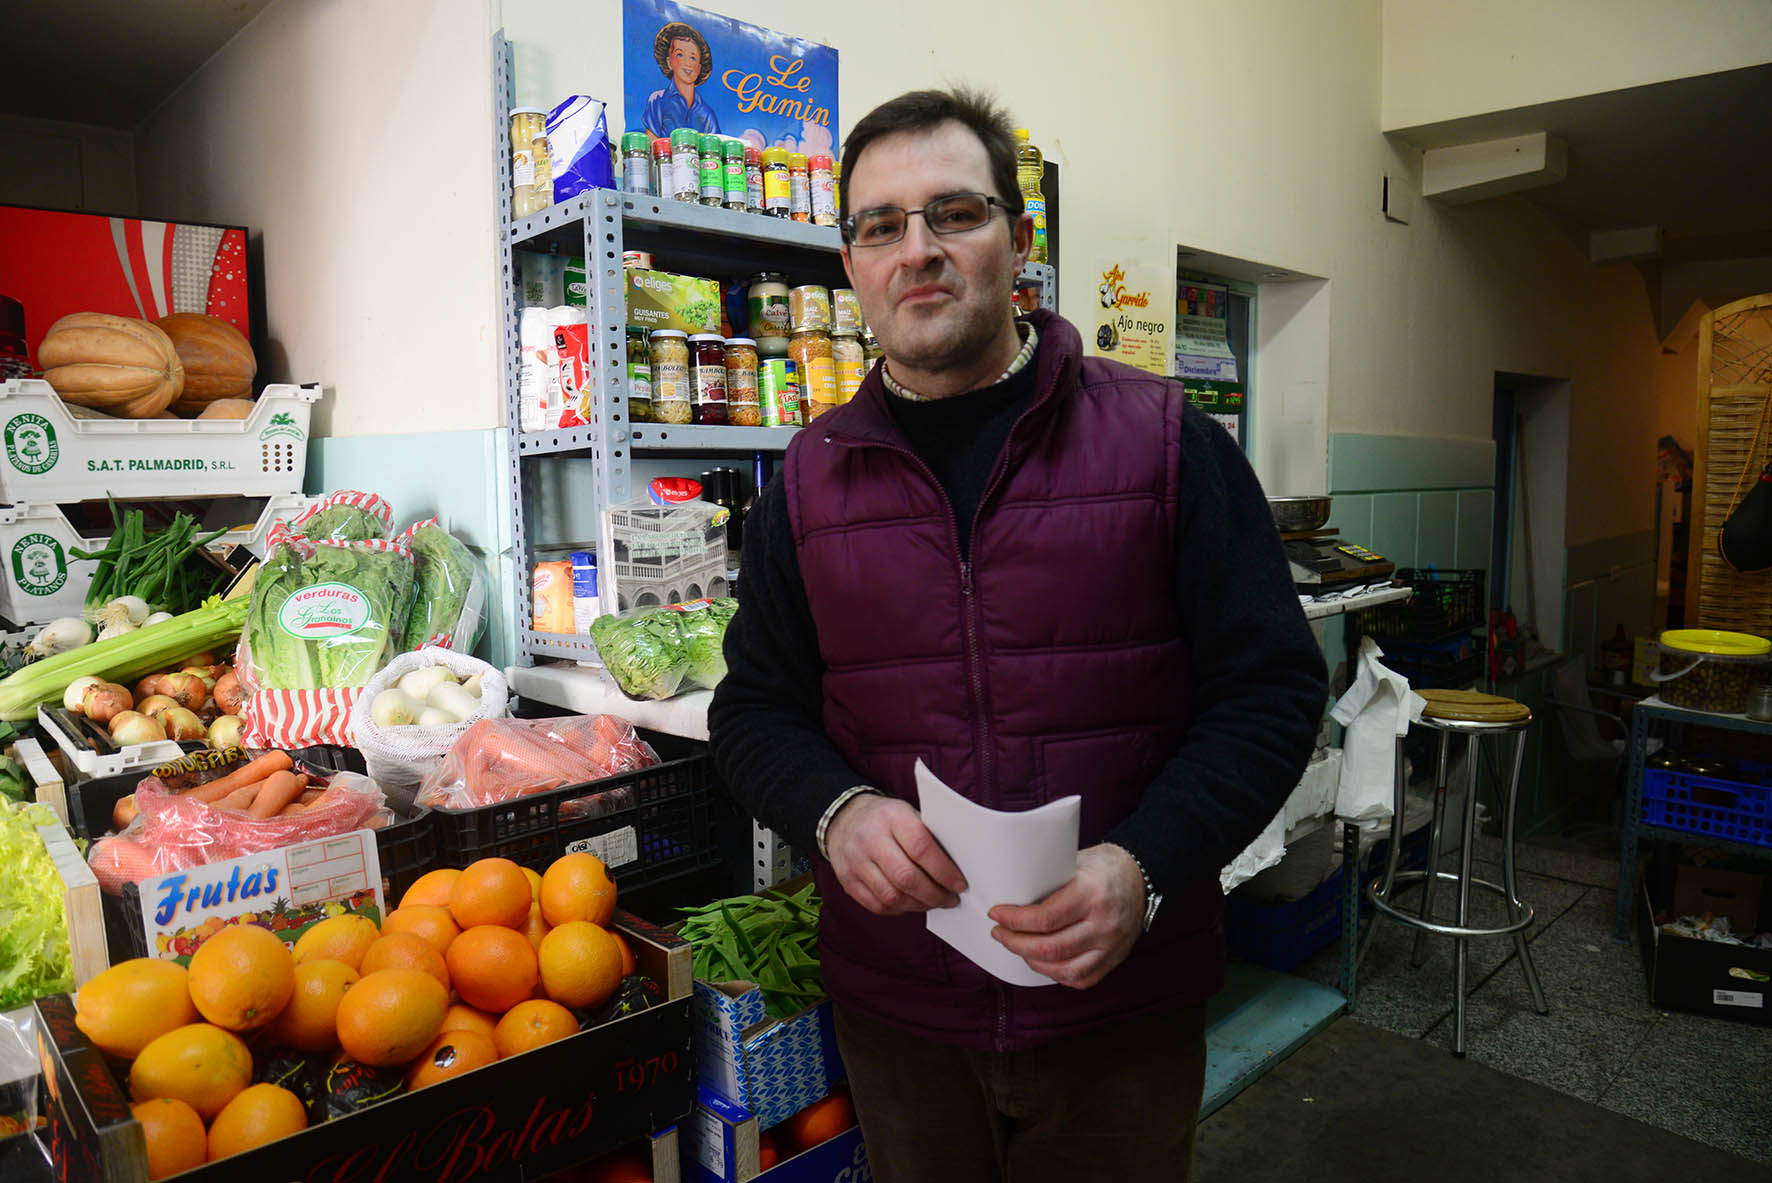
(474, 966)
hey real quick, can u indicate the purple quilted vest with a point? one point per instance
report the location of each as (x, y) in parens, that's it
(1050, 664)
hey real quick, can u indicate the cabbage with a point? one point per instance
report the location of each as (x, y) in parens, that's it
(34, 956)
(656, 652)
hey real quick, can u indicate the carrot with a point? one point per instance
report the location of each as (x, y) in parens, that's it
(246, 774)
(278, 790)
(240, 800)
(309, 796)
(291, 809)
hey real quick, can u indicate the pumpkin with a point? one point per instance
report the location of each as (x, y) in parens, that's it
(227, 408)
(115, 364)
(218, 360)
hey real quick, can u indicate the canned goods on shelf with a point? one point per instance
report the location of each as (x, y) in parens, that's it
(637, 259)
(809, 309)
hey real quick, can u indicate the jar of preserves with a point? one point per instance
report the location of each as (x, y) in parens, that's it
(742, 407)
(846, 312)
(733, 152)
(639, 375)
(778, 391)
(712, 170)
(526, 124)
(811, 351)
(824, 190)
(707, 379)
(768, 303)
(870, 346)
(661, 167)
(851, 365)
(544, 171)
(809, 307)
(636, 163)
(799, 188)
(670, 376)
(686, 164)
(753, 180)
(777, 189)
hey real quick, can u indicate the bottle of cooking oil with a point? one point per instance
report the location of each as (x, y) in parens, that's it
(1030, 167)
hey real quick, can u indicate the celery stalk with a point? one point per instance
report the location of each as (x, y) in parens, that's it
(124, 658)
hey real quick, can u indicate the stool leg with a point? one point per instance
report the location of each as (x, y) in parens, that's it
(1461, 950)
(1383, 887)
(1433, 847)
(1514, 908)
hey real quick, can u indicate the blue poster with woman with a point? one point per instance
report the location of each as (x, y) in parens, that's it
(685, 67)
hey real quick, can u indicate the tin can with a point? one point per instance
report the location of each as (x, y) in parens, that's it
(640, 259)
(846, 312)
(778, 391)
(809, 309)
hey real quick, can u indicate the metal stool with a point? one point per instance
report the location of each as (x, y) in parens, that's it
(1474, 716)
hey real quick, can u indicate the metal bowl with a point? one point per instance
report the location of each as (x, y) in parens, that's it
(1292, 514)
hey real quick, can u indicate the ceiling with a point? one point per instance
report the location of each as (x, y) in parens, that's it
(1693, 156)
(107, 63)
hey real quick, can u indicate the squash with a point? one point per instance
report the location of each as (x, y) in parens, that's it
(115, 364)
(218, 360)
(228, 408)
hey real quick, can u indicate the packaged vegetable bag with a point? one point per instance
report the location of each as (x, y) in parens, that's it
(401, 756)
(345, 516)
(658, 652)
(449, 591)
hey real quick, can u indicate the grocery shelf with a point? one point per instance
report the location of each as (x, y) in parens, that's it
(587, 690)
(1043, 276)
(575, 646)
(667, 437)
(561, 439)
(1372, 599)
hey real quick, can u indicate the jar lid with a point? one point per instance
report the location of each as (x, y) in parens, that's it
(769, 277)
(528, 111)
(635, 140)
(752, 155)
(797, 160)
(819, 161)
(707, 337)
(741, 341)
(1716, 642)
(845, 333)
(669, 333)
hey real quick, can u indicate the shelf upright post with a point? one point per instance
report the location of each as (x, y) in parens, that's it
(606, 312)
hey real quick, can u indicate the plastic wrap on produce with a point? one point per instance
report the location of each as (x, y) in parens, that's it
(401, 756)
(449, 590)
(655, 653)
(499, 760)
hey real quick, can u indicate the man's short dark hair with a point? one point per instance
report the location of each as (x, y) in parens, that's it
(923, 110)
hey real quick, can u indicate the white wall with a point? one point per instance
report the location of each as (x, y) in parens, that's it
(358, 139)
(60, 165)
(1446, 59)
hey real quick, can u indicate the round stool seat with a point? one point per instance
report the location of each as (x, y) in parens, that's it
(1472, 706)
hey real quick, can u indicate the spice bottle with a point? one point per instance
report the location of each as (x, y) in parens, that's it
(850, 363)
(742, 409)
(707, 378)
(824, 191)
(837, 185)
(777, 189)
(661, 166)
(733, 151)
(870, 347)
(686, 164)
(713, 170)
(799, 188)
(636, 163)
(753, 180)
(639, 375)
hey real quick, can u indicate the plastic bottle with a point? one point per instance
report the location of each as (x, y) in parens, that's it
(799, 188)
(777, 189)
(1030, 168)
(824, 190)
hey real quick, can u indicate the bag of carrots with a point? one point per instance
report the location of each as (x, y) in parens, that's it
(502, 759)
(259, 802)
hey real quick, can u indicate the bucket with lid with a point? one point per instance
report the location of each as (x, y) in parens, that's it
(1707, 669)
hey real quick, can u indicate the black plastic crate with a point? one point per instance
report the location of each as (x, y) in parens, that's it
(658, 823)
(1445, 601)
(1436, 668)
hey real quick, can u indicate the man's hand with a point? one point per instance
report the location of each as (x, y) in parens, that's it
(1081, 931)
(887, 860)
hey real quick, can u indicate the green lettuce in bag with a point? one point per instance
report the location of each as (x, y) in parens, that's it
(658, 652)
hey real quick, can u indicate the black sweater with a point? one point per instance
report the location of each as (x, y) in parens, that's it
(1259, 681)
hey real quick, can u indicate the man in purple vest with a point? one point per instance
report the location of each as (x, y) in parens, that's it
(1034, 571)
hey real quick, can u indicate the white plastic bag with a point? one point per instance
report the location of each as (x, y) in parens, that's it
(1376, 710)
(401, 756)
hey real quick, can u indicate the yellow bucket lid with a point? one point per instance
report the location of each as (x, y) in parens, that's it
(1716, 642)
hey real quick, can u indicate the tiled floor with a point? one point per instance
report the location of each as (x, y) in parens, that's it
(1602, 1041)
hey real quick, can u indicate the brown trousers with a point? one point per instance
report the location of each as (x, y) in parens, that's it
(1118, 1104)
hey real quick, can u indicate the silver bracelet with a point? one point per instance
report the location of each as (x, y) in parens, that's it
(824, 822)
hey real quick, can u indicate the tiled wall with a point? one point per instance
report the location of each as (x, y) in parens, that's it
(1418, 502)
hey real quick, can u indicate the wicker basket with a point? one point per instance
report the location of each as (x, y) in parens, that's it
(1734, 437)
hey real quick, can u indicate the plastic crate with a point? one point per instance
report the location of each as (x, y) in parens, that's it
(1445, 601)
(48, 454)
(1738, 811)
(1447, 666)
(94, 754)
(667, 831)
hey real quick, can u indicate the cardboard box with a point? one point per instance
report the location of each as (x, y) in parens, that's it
(1725, 981)
(1735, 894)
(721, 1140)
(773, 1067)
(544, 1110)
(661, 300)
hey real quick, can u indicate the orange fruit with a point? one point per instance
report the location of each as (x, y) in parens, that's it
(819, 1121)
(310, 1022)
(260, 1114)
(391, 1015)
(430, 921)
(534, 877)
(767, 1154)
(450, 1054)
(128, 1006)
(174, 1132)
(621, 1166)
(531, 1024)
(577, 887)
(580, 964)
(405, 950)
(199, 1064)
(241, 977)
(628, 964)
(462, 1017)
(337, 938)
(493, 968)
(491, 891)
(431, 888)
(537, 927)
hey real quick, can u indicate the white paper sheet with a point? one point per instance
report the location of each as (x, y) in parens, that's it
(1007, 858)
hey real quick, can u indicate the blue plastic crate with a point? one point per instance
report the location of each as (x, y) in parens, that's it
(1730, 809)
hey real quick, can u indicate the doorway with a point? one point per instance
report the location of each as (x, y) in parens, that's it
(1531, 433)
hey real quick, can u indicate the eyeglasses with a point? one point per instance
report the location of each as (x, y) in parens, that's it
(954, 214)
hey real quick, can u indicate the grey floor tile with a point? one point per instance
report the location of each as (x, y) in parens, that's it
(1573, 866)
(1704, 1078)
(1579, 964)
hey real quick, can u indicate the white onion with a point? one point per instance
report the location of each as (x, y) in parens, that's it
(394, 707)
(157, 618)
(75, 694)
(472, 685)
(225, 732)
(420, 682)
(452, 698)
(59, 636)
(436, 717)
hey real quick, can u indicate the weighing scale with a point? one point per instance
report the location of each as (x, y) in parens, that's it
(1323, 562)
